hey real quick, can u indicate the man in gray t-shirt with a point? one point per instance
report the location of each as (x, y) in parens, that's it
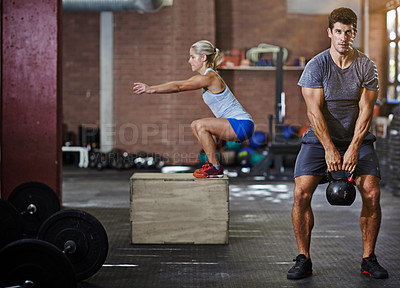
(340, 88)
(341, 91)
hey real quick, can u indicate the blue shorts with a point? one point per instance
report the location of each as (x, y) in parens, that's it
(244, 129)
(311, 160)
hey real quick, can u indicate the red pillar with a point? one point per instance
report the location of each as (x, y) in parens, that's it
(31, 111)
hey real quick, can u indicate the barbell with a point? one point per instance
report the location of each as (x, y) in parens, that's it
(35, 201)
(80, 236)
(35, 263)
(71, 246)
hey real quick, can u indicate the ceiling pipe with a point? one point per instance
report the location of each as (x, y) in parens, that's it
(115, 5)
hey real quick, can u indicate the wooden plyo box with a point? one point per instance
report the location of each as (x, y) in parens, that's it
(178, 208)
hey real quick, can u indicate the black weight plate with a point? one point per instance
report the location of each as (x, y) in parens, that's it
(39, 194)
(10, 223)
(41, 262)
(88, 234)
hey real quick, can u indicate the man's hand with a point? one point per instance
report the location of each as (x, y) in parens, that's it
(350, 160)
(333, 160)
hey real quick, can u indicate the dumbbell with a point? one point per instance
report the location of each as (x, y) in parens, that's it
(75, 234)
(36, 202)
(140, 160)
(340, 191)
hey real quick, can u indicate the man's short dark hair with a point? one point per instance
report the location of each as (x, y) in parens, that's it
(343, 15)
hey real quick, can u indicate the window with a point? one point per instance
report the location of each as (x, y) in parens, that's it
(393, 36)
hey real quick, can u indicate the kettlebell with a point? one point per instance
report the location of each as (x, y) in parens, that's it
(340, 191)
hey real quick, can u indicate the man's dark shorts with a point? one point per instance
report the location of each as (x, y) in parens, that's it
(311, 160)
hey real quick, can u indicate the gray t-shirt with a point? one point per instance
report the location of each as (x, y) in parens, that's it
(342, 91)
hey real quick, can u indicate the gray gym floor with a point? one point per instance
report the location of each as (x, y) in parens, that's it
(261, 240)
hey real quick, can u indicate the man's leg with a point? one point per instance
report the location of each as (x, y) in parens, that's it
(370, 219)
(302, 214)
(303, 223)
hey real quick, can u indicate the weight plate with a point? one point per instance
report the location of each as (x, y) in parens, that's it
(38, 194)
(88, 234)
(41, 262)
(10, 223)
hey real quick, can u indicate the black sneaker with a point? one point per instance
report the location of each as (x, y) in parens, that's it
(371, 267)
(301, 269)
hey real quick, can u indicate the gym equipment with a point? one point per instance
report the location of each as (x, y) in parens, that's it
(35, 263)
(27, 284)
(289, 132)
(124, 161)
(10, 223)
(114, 158)
(254, 53)
(393, 156)
(203, 157)
(257, 157)
(98, 160)
(156, 213)
(140, 160)
(80, 236)
(231, 145)
(154, 161)
(89, 136)
(303, 130)
(228, 157)
(159, 161)
(244, 157)
(258, 140)
(148, 161)
(340, 191)
(36, 202)
(278, 163)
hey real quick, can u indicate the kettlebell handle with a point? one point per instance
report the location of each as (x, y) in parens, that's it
(331, 179)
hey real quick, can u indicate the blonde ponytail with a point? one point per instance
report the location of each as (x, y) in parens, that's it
(204, 47)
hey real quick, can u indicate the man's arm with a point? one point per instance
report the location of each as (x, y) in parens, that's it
(314, 98)
(366, 105)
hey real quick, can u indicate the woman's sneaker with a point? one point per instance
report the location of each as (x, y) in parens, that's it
(209, 171)
(199, 172)
(301, 269)
(371, 267)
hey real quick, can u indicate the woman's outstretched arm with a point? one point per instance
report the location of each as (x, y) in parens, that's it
(193, 83)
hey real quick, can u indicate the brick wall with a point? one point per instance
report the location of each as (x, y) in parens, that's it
(154, 48)
(378, 42)
(245, 25)
(81, 82)
(255, 90)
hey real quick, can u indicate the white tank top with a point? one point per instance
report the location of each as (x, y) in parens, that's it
(224, 104)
